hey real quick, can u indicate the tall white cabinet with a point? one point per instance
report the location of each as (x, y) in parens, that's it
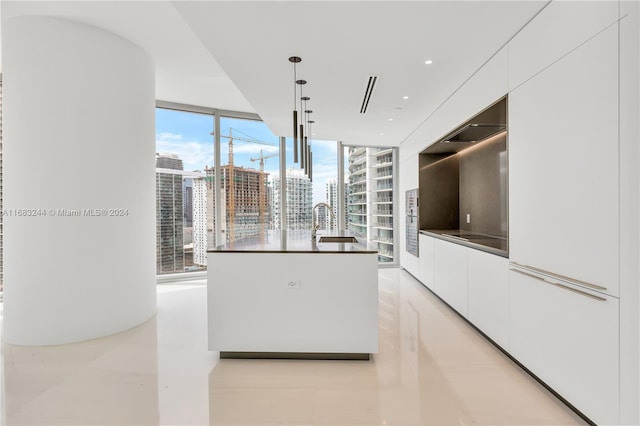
(564, 220)
(563, 166)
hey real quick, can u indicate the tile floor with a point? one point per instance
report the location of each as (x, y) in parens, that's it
(432, 368)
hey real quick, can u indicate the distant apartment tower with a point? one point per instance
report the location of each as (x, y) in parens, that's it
(299, 200)
(203, 217)
(187, 201)
(370, 197)
(169, 214)
(358, 192)
(324, 218)
(331, 195)
(168, 161)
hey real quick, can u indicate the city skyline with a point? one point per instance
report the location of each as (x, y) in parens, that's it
(188, 135)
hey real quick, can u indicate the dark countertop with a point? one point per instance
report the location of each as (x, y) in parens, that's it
(295, 242)
(476, 240)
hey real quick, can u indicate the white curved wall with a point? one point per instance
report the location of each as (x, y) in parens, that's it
(78, 134)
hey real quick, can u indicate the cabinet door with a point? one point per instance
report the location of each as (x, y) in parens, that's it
(569, 340)
(427, 267)
(451, 274)
(563, 166)
(548, 37)
(488, 294)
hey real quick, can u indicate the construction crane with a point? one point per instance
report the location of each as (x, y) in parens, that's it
(262, 189)
(231, 211)
(262, 158)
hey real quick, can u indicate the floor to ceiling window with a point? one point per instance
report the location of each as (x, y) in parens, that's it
(186, 210)
(184, 191)
(249, 186)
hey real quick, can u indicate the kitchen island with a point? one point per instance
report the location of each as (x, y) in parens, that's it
(284, 295)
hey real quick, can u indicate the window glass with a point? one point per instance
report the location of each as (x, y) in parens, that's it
(184, 194)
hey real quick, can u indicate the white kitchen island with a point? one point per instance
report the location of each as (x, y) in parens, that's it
(284, 296)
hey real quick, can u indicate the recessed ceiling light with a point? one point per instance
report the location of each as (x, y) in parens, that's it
(428, 62)
(313, 134)
(391, 119)
(381, 134)
(405, 97)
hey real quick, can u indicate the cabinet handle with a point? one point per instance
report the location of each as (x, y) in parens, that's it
(561, 277)
(561, 285)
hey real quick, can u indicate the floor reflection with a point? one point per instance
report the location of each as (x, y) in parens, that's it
(103, 381)
(432, 368)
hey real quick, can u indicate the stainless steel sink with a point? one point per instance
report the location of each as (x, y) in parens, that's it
(336, 239)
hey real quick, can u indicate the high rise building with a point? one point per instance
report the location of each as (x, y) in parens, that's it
(370, 197)
(169, 214)
(203, 217)
(324, 218)
(248, 211)
(358, 192)
(249, 215)
(187, 201)
(331, 195)
(299, 200)
(168, 161)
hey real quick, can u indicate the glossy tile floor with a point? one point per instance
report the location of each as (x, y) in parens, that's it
(432, 369)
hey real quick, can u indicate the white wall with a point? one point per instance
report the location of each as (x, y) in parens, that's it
(78, 134)
(629, 211)
(559, 29)
(408, 177)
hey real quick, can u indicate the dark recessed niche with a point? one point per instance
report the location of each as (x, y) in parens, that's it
(459, 177)
(490, 122)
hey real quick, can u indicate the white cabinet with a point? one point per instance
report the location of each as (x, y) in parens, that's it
(427, 259)
(563, 166)
(569, 340)
(487, 286)
(559, 28)
(450, 275)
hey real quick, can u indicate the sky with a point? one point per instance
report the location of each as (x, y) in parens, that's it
(188, 135)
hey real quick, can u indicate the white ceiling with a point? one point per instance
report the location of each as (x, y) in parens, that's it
(185, 70)
(234, 54)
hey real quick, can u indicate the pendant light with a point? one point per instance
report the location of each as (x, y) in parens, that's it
(310, 154)
(295, 60)
(304, 137)
(307, 139)
(301, 123)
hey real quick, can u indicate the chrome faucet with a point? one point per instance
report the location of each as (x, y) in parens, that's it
(315, 219)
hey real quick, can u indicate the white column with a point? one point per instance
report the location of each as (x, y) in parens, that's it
(78, 134)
